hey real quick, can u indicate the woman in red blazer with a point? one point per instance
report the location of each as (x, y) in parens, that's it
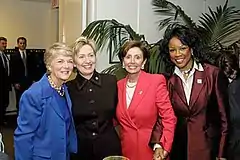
(198, 92)
(142, 97)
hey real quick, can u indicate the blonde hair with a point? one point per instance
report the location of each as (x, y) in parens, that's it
(80, 42)
(55, 50)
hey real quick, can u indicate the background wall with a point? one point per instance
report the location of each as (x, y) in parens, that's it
(32, 19)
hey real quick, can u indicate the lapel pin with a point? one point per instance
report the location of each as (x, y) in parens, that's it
(199, 81)
(140, 92)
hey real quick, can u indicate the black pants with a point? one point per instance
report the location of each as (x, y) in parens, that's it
(4, 101)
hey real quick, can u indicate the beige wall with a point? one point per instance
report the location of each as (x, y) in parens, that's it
(31, 19)
(70, 20)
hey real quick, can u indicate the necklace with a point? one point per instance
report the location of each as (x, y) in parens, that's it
(187, 72)
(60, 90)
(131, 85)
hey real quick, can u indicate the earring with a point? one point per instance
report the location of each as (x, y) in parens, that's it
(142, 66)
(192, 52)
(123, 66)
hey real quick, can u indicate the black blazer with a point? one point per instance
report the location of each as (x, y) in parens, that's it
(234, 102)
(18, 70)
(94, 104)
(5, 84)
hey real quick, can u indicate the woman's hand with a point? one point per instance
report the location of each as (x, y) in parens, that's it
(160, 154)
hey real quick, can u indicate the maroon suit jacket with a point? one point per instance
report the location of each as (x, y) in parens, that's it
(202, 125)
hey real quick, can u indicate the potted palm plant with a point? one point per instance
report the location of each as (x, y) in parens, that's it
(220, 29)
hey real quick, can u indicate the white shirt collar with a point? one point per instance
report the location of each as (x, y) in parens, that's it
(22, 51)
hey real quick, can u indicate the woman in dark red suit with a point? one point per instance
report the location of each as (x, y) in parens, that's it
(198, 92)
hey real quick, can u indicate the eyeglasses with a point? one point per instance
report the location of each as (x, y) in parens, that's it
(181, 49)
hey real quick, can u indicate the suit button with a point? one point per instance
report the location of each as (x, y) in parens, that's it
(94, 134)
(91, 101)
(90, 90)
(94, 113)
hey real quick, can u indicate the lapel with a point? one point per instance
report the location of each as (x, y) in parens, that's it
(69, 102)
(123, 102)
(140, 91)
(198, 83)
(49, 96)
(178, 87)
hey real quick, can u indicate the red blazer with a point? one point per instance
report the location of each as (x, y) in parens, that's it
(150, 99)
(202, 125)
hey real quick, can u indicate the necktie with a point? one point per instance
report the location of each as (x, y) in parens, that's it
(24, 62)
(5, 62)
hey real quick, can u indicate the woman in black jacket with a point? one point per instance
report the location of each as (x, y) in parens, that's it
(94, 100)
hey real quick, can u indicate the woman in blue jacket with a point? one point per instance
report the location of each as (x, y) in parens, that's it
(45, 126)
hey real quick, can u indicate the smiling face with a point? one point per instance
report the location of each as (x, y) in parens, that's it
(60, 69)
(180, 54)
(85, 61)
(133, 60)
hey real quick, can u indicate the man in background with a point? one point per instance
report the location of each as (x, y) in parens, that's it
(5, 83)
(21, 69)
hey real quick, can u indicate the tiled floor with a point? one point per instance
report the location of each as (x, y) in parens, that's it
(7, 132)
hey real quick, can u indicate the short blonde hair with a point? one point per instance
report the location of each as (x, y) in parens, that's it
(80, 42)
(55, 50)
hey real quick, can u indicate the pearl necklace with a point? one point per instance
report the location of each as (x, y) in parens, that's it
(131, 85)
(60, 90)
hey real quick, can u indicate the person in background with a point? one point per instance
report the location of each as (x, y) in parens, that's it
(142, 97)
(5, 83)
(229, 63)
(94, 98)
(45, 128)
(21, 69)
(198, 93)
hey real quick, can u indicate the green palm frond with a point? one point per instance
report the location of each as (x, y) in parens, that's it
(156, 64)
(110, 34)
(172, 12)
(221, 27)
(117, 70)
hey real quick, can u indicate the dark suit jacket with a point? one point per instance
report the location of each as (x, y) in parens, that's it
(18, 70)
(234, 102)
(5, 84)
(94, 106)
(202, 125)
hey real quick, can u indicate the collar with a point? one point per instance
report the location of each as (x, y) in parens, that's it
(95, 79)
(22, 51)
(196, 66)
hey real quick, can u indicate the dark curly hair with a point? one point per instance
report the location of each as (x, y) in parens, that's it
(187, 36)
(229, 64)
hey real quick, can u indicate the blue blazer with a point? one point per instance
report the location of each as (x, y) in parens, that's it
(41, 132)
